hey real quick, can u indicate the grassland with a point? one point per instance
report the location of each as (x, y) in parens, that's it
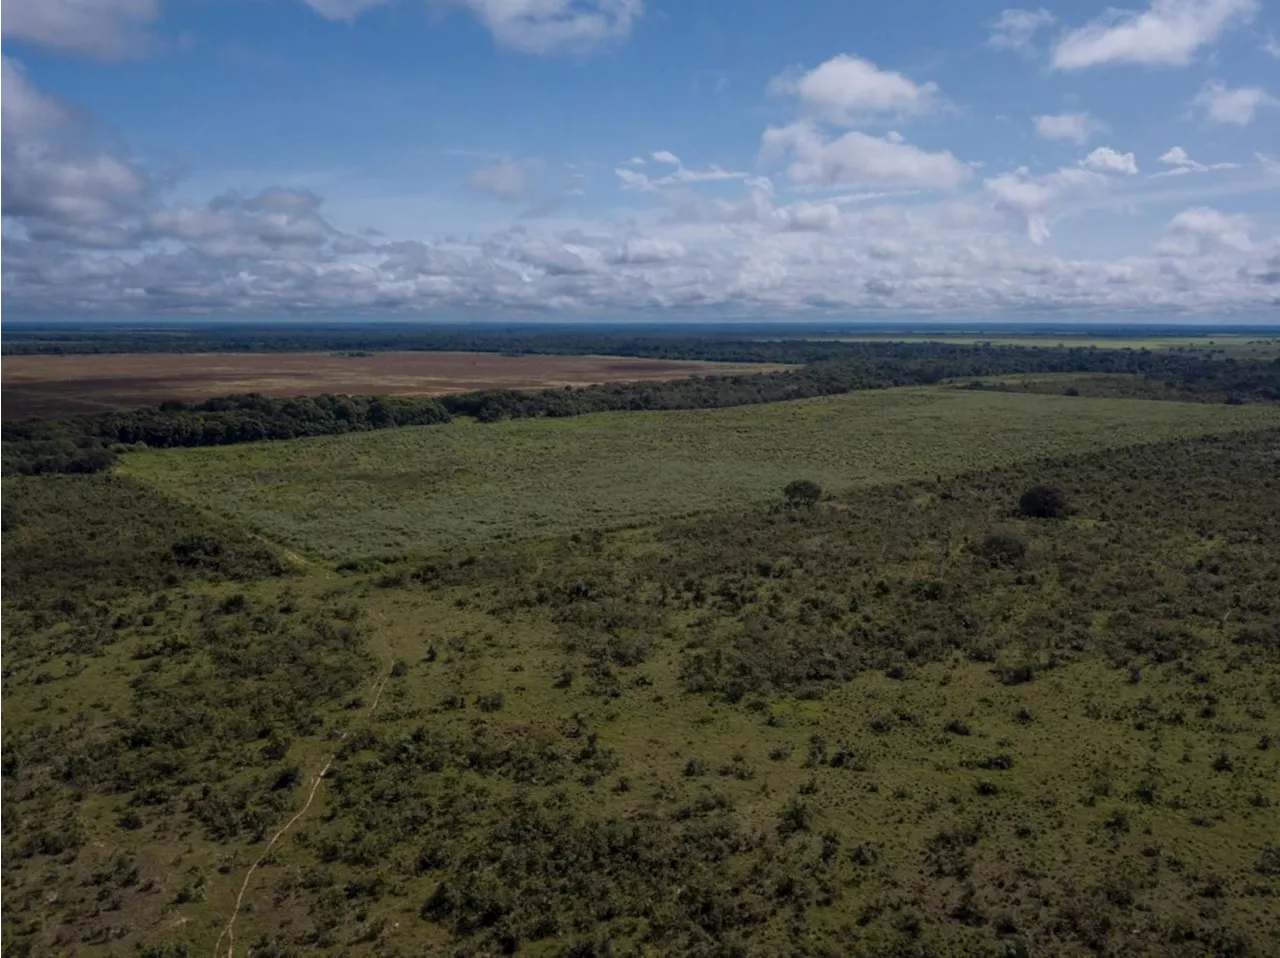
(834, 731)
(462, 485)
(51, 386)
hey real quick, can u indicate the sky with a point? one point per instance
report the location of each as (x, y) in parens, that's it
(641, 159)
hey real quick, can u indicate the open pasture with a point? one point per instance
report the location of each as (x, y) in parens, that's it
(50, 386)
(440, 488)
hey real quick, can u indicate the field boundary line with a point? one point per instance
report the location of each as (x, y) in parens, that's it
(228, 931)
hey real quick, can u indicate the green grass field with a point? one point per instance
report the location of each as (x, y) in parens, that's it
(433, 489)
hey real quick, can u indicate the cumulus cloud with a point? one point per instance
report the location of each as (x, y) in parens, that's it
(1106, 160)
(650, 250)
(103, 29)
(858, 159)
(277, 222)
(804, 217)
(1016, 29)
(1076, 128)
(91, 232)
(1032, 198)
(1206, 229)
(506, 179)
(1220, 103)
(1168, 33)
(533, 26)
(848, 89)
(25, 109)
(1182, 163)
(52, 179)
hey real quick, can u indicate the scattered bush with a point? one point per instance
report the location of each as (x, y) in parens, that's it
(1268, 862)
(802, 493)
(1000, 548)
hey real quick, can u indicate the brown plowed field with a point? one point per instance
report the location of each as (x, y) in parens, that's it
(51, 386)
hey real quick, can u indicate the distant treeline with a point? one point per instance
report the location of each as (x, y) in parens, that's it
(90, 443)
(646, 342)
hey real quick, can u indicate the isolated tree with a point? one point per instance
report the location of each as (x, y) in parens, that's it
(1043, 502)
(802, 493)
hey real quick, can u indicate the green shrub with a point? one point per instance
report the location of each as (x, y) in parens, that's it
(1001, 548)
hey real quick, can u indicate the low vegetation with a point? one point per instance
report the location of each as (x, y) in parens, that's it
(838, 729)
(462, 485)
(986, 667)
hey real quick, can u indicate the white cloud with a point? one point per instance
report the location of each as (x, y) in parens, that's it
(681, 176)
(506, 179)
(92, 233)
(1075, 128)
(1106, 160)
(1015, 29)
(1169, 33)
(857, 159)
(1032, 197)
(646, 250)
(25, 109)
(1271, 46)
(804, 217)
(848, 89)
(51, 178)
(95, 28)
(555, 26)
(562, 259)
(1182, 163)
(1220, 103)
(532, 26)
(1208, 229)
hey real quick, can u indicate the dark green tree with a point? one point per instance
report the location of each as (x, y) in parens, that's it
(802, 493)
(1043, 502)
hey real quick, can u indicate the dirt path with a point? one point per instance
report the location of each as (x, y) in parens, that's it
(228, 933)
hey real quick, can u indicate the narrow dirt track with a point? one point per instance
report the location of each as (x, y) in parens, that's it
(228, 933)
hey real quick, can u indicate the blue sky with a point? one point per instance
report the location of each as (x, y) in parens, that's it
(598, 158)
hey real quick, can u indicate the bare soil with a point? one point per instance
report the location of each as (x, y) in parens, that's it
(50, 386)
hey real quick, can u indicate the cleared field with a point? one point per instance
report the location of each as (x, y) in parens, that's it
(438, 488)
(63, 385)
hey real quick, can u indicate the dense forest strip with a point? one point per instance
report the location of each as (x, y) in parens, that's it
(737, 344)
(89, 443)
